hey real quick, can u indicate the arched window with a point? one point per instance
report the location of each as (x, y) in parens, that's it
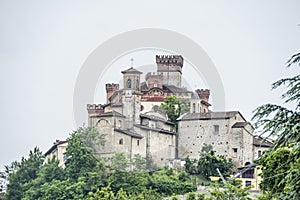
(121, 141)
(128, 84)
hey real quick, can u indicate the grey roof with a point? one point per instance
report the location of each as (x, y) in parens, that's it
(261, 142)
(209, 115)
(55, 144)
(131, 70)
(174, 89)
(109, 114)
(205, 103)
(240, 124)
(160, 130)
(155, 118)
(129, 132)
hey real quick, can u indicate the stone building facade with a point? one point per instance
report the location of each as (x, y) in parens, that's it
(129, 130)
(132, 123)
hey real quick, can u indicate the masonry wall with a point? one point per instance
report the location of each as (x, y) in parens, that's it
(234, 143)
(194, 134)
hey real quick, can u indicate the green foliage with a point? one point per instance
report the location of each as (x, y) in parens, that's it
(206, 148)
(191, 196)
(139, 163)
(174, 197)
(174, 107)
(80, 157)
(229, 192)
(191, 165)
(131, 183)
(274, 170)
(207, 165)
(104, 194)
(50, 171)
(200, 196)
(119, 162)
(167, 182)
(284, 124)
(22, 173)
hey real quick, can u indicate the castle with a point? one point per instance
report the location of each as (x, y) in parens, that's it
(132, 123)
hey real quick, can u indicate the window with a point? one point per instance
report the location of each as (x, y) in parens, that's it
(128, 84)
(155, 83)
(121, 141)
(248, 183)
(259, 153)
(194, 107)
(235, 150)
(138, 142)
(216, 128)
(137, 84)
(248, 174)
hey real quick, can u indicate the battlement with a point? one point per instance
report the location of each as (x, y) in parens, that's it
(203, 94)
(169, 60)
(111, 87)
(95, 109)
(153, 75)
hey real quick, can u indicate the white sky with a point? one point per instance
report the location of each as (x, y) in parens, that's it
(43, 45)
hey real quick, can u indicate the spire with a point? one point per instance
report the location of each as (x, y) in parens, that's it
(131, 62)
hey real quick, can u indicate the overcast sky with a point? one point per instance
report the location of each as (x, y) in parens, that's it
(43, 45)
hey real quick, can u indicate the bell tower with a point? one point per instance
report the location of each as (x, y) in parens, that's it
(131, 97)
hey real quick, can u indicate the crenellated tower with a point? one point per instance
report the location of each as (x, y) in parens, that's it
(94, 109)
(170, 66)
(110, 89)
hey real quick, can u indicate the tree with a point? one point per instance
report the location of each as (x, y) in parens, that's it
(119, 162)
(49, 172)
(284, 124)
(230, 192)
(209, 162)
(22, 173)
(174, 107)
(139, 163)
(206, 148)
(80, 152)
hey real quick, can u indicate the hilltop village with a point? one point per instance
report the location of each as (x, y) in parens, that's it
(131, 120)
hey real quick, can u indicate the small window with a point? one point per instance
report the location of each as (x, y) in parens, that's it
(194, 107)
(121, 141)
(138, 142)
(259, 153)
(216, 128)
(235, 150)
(248, 183)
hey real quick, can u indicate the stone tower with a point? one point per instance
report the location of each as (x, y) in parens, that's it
(131, 97)
(171, 68)
(110, 88)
